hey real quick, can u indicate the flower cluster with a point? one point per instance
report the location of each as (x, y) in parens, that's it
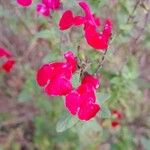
(8, 64)
(56, 79)
(44, 7)
(117, 115)
(91, 23)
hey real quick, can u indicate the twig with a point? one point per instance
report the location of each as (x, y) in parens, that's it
(134, 9)
(101, 62)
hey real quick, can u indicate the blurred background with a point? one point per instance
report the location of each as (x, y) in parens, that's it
(30, 120)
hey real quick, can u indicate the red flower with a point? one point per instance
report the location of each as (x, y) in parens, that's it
(115, 124)
(4, 52)
(7, 66)
(43, 9)
(117, 114)
(56, 77)
(52, 4)
(24, 3)
(117, 118)
(46, 6)
(82, 101)
(96, 39)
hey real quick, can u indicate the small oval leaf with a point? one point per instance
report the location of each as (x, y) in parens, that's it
(66, 122)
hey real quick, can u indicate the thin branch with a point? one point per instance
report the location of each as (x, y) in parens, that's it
(134, 9)
(101, 62)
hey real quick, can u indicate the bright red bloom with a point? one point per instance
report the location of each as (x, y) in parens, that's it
(56, 77)
(96, 39)
(82, 101)
(46, 6)
(7, 66)
(24, 3)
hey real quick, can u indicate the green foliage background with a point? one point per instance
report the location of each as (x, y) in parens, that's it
(31, 119)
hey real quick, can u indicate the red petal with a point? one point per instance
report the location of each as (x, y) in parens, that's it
(42, 9)
(88, 13)
(52, 4)
(97, 20)
(71, 60)
(66, 20)
(107, 28)
(84, 88)
(24, 3)
(87, 97)
(91, 80)
(115, 124)
(88, 111)
(58, 87)
(60, 68)
(72, 102)
(8, 65)
(96, 40)
(86, 93)
(4, 52)
(86, 9)
(78, 20)
(44, 74)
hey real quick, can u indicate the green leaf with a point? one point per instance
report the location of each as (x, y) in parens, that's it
(51, 57)
(102, 97)
(66, 122)
(142, 83)
(146, 143)
(24, 96)
(45, 34)
(104, 113)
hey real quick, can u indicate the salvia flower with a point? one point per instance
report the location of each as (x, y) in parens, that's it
(82, 100)
(56, 77)
(91, 23)
(24, 3)
(46, 6)
(7, 66)
(117, 117)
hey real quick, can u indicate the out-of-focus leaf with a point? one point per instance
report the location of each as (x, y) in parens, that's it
(24, 96)
(66, 122)
(104, 113)
(51, 57)
(45, 34)
(87, 130)
(102, 97)
(146, 143)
